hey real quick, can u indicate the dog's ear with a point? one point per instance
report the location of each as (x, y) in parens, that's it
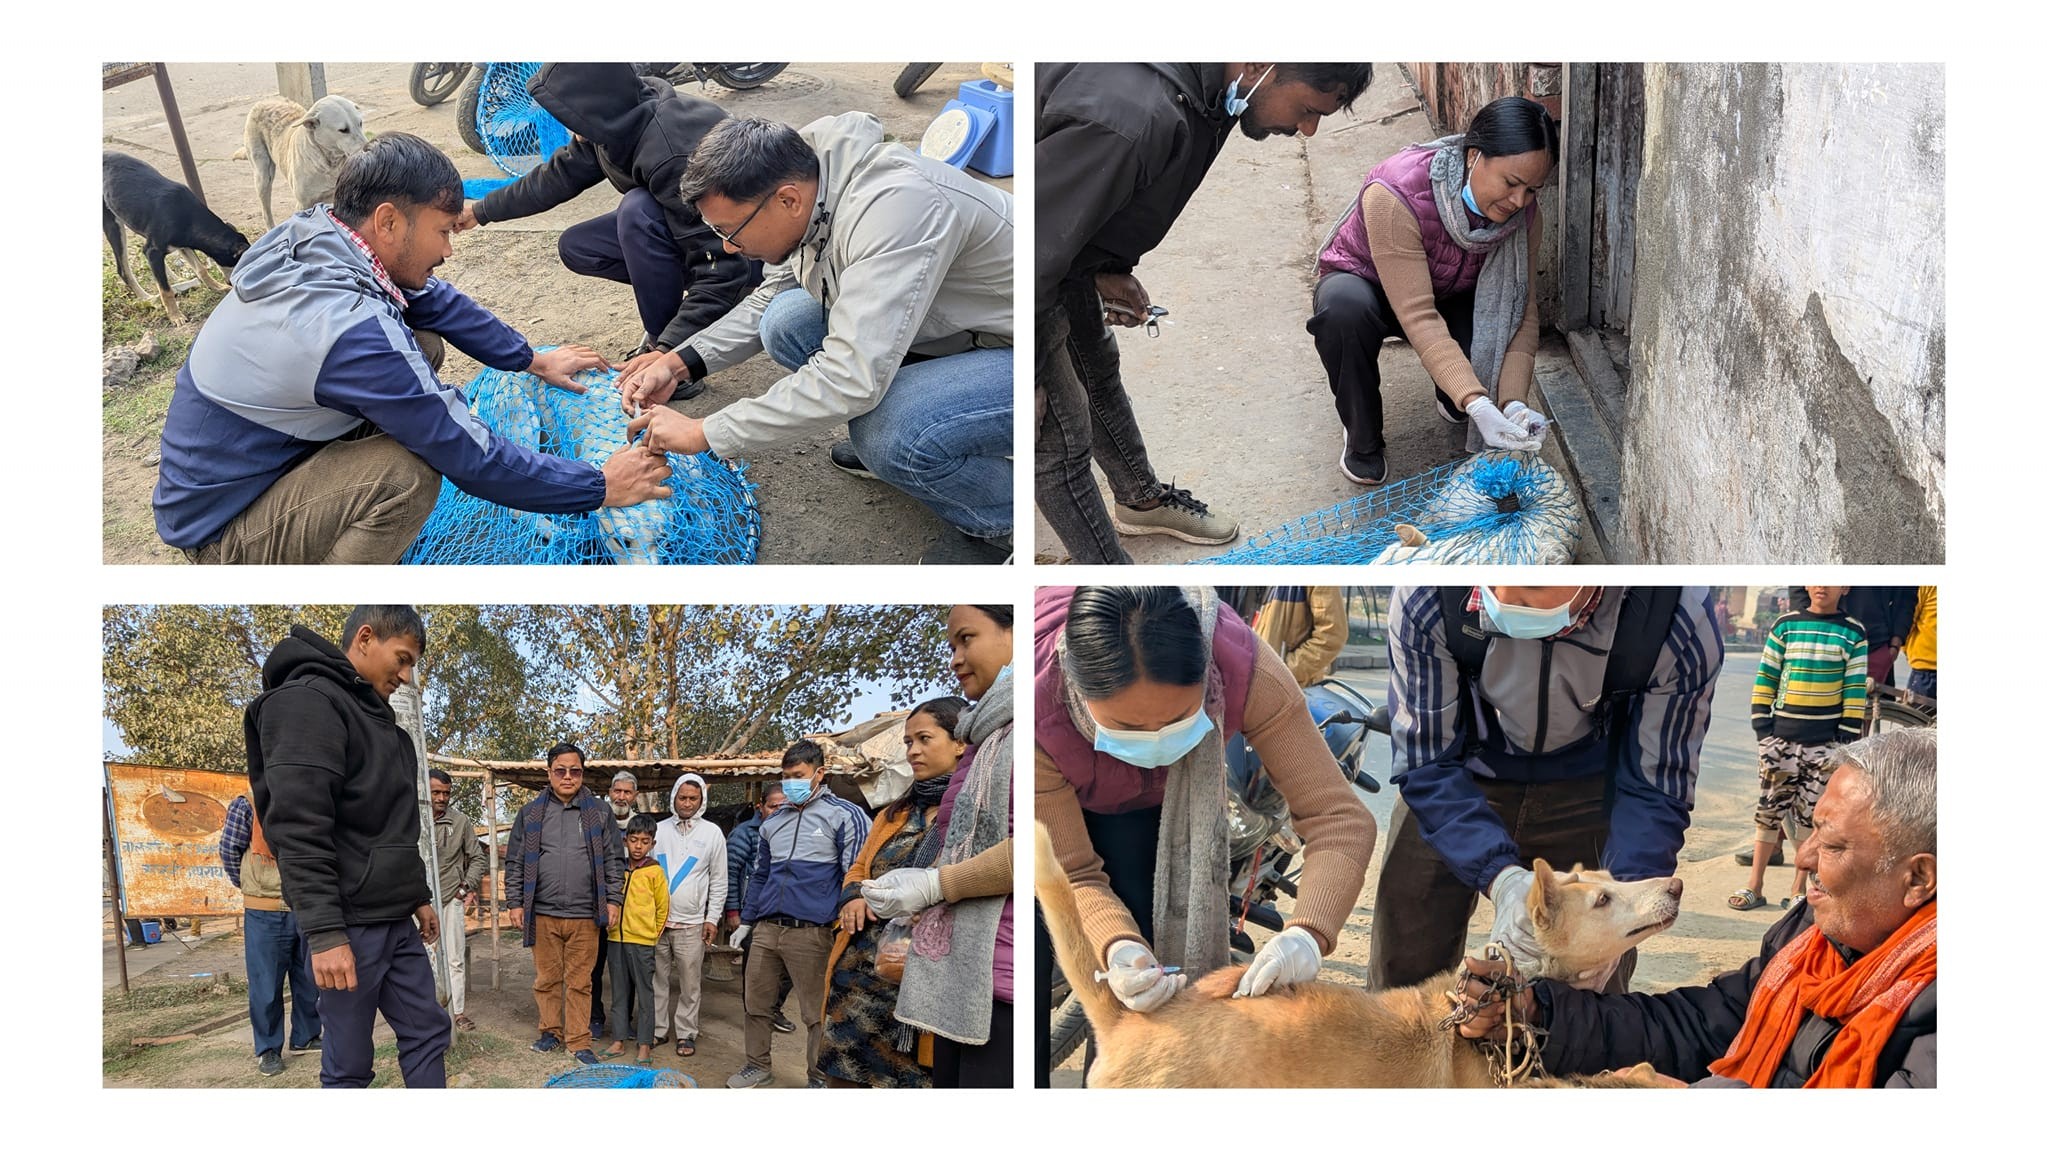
(311, 121)
(1542, 895)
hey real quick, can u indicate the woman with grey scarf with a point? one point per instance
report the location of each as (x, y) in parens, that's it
(1438, 250)
(957, 980)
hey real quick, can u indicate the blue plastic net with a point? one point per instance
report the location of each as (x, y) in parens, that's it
(1495, 508)
(620, 1075)
(518, 134)
(712, 519)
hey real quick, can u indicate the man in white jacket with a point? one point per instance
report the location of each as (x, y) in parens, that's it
(692, 852)
(889, 297)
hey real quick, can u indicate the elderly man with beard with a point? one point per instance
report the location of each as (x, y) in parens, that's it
(463, 864)
(691, 850)
(1842, 992)
(624, 790)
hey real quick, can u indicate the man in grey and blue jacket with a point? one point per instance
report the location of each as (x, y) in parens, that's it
(307, 424)
(792, 905)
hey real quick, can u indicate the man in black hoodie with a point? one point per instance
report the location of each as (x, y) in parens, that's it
(638, 133)
(1121, 149)
(335, 782)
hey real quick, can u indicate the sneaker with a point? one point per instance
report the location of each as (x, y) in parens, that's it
(545, 1044)
(781, 1023)
(847, 460)
(1447, 411)
(312, 1045)
(956, 547)
(1367, 468)
(749, 1076)
(270, 1063)
(587, 1057)
(1179, 515)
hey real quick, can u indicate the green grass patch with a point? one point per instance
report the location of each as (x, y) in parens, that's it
(161, 1009)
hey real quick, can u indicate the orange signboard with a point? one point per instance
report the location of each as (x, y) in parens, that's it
(167, 824)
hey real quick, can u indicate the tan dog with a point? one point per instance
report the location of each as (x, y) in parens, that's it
(1319, 1034)
(306, 145)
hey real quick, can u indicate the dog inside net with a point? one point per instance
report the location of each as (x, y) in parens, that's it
(1495, 508)
(711, 519)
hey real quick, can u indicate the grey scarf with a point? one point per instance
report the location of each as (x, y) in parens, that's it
(949, 977)
(1503, 289)
(1191, 874)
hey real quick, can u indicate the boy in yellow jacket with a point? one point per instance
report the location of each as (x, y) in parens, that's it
(633, 940)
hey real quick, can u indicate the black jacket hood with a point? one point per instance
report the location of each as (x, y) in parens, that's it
(605, 104)
(306, 654)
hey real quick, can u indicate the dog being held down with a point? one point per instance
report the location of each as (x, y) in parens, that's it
(168, 216)
(1320, 1034)
(305, 145)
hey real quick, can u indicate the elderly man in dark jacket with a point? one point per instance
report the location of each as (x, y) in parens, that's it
(1842, 993)
(1121, 149)
(638, 133)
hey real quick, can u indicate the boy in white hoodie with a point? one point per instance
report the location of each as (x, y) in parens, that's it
(692, 850)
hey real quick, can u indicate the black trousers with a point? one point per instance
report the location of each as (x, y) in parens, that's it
(988, 1064)
(1129, 847)
(1352, 318)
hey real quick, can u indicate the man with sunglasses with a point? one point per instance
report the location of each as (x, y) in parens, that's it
(888, 297)
(565, 864)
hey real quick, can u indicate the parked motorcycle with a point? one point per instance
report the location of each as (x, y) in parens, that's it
(430, 84)
(493, 77)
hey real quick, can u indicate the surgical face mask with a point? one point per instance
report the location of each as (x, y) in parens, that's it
(1154, 749)
(796, 790)
(1518, 622)
(1232, 104)
(1471, 205)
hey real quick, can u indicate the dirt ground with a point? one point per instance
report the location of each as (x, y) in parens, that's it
(183, 989)
(811, 512)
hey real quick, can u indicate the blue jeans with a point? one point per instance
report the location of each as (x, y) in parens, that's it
(942, 431)
(273, 951)
(1921, 682)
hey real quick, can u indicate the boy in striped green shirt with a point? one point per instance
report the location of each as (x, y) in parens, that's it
(1809, 696)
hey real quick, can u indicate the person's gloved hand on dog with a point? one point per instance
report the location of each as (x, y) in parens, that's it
(1498, 430)
(1512, 931)
(1292, 956)
(1135, 977)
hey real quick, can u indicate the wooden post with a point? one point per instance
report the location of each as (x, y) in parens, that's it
(177, 124)
(303, 83)
(114, 873)
(497, 886)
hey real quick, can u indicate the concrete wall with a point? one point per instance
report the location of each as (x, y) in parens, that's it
(1451, 93)
(1787, 401)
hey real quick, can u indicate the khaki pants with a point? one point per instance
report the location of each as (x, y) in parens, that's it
(355, 501)
(563, 950)
(679, 958)
(802, 952)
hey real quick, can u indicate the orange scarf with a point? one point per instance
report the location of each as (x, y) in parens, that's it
(1868, 997)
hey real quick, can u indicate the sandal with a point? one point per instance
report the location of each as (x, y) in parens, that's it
(1745, 900)
(462, 1023)
(686, 1047)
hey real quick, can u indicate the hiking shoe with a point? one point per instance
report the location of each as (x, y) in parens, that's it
(312, 1045)
(587, 1057)
(270, 1063)
(1367, 468)
(1747, 855)
(749, 1076)
(781, 1023)
(1179, 515)
(1447, 411)
(545, 1044)
(847, 460)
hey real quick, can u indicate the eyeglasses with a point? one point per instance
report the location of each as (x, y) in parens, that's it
(565, 772)
(735, 236)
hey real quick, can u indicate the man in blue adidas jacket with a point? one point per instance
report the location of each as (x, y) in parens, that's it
(307, 424)
(1529, 722)
(792, 904)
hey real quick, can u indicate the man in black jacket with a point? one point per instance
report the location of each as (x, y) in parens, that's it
(1121, 149)
(638, 132)
(1860, 949)
(336, 787)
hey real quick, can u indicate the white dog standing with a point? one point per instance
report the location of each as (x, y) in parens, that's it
(306, 145)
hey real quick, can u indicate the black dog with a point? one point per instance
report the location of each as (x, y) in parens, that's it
(166, 215)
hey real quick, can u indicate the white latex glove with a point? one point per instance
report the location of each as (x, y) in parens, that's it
(904, 891)
(1597, 978)
(1527, 418)
(740, 934)
(1497, 430)
(1135, 979)
(1289, 957)
(1512, 931)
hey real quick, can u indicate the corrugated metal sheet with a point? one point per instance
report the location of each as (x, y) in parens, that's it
(167, 826)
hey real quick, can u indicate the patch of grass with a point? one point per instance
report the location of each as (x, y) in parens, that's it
(161, 1009)
(125, 316)
(138, 409)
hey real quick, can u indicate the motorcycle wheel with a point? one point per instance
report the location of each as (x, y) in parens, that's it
(430, 84)
(742, 77)
(1069, 1030)
(465, 114)
(913, 77)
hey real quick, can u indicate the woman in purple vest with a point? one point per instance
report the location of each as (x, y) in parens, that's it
(1138, 689)
(1439, 249)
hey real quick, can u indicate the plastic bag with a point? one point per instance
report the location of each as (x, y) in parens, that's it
(894, 949)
